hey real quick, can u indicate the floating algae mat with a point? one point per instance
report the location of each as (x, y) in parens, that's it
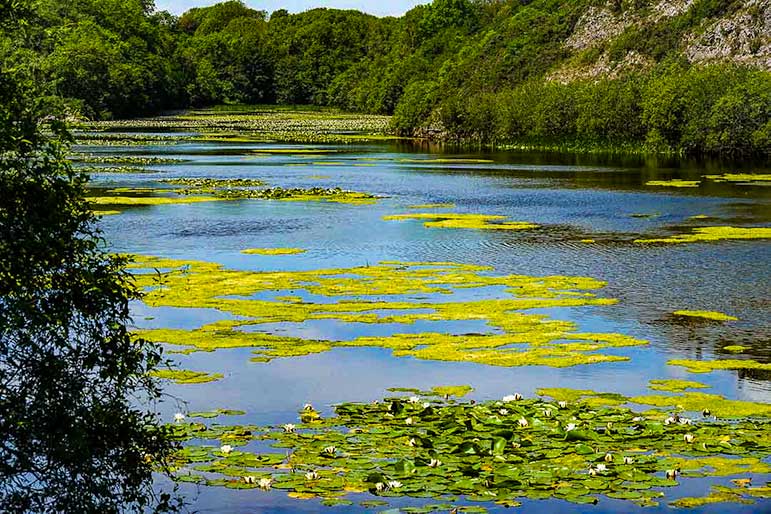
(675, 385)
(458, 220)
(709, 315)
(184, 376)
(673, 183)
(743, 179)
(706, 366)
(499, 452)
(516, 338)
(131, 201)
(272, 251)
(709, 234)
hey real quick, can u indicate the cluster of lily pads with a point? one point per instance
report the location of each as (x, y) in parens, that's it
(263, 125)
(430, 446)
(123, 159)
(334, 194)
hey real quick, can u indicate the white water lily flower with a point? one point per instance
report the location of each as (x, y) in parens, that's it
(602, 467)
(628, 460)
(178, 417)
(608, 457)
(330, 450)
(249, 480)
(380, 486)
(414, 399)
(671, 474)
(503, 412)
(434, 463)
(394, 484)
(512, 397)
(547, 413)
(670, 420)
(706, 413)
(288, 428)
(411, 441)
(688, 438)
(562, 404)
(308, 406)
(226, 448)
(426, 405)
(592, 472)
(685, 421)
(311, 475)
(522, 422)
(570, 426)
(408, 421)
(265, 483)
(638, 419)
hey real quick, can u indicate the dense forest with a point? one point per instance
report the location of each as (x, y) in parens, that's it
(688, 75)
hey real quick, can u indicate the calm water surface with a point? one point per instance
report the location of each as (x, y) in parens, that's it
(572, 198)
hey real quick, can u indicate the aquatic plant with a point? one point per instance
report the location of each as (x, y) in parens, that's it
(673, 183)
(743, 179)
(675, 385)
(709, 315)
(184, 376)
(709, 234)
(706, 366)
(272, 251)
(441, 449)
(149, 200)
(212, 184)
(515, 338)
(460, 220)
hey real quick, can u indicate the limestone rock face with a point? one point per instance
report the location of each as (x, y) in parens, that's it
(742, 35)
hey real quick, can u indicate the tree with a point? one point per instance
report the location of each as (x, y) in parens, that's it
(74, 436)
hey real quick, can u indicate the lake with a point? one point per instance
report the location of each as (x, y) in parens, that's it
(590, 212)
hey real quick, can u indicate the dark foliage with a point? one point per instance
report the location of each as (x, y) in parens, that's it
(73, 437)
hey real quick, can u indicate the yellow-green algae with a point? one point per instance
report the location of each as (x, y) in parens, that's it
(150, 200)
(272, 251)
(447, 161)
(457, 391)
(707, 234)
(458, 220)
(695, 366)
(735, 348)
(675, 385)
(697, 402)
(688, 401)
(673, 183)
(516, 338)
(742, 178)
(718, 494)
(710, 315)
(184, 376)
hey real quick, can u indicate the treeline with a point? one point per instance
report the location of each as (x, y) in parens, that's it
(474, 71)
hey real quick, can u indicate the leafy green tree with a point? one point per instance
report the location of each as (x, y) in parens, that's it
(76, 432)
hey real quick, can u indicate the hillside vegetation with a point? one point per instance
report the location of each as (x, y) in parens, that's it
(683, 75)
